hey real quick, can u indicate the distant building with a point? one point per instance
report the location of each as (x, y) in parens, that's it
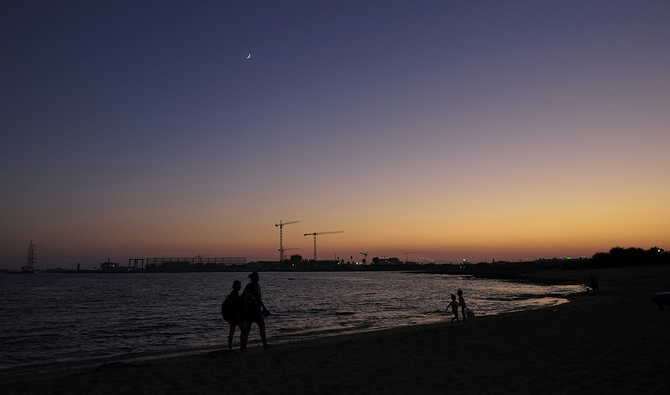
(109, 266)
(389, 261)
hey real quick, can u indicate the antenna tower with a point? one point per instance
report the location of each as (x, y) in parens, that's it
(32, 257)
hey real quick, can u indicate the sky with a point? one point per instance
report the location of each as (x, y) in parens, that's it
(428, 130)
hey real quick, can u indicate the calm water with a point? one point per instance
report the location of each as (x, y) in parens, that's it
(47, 318)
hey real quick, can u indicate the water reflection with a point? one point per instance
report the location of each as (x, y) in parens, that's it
(54, 317)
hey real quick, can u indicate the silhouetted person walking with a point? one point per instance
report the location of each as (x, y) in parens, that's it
(461, 302)
(454, 307)
(233, 313)
(252, 303)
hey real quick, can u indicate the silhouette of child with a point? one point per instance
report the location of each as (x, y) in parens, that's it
(461, 302)
(454, 307)
(594, 283)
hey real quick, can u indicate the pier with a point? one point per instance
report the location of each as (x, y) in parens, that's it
(193, 264)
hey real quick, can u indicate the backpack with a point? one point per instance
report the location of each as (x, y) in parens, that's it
(226, 311)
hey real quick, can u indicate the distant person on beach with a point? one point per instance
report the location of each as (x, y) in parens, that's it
(461, 302)
(595, 287)
(233, 314)
(454, 307)
(253, 310)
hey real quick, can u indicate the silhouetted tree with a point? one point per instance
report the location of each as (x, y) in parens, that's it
(620, 257)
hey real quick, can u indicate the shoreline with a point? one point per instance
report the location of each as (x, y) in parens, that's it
(93, 362)
(58, 369)
(66, 367)
(597, 342)
(41, 360)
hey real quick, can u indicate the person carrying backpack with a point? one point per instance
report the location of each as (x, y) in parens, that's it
(230, 312)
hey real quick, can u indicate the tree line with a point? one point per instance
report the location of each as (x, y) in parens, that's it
(622, 257)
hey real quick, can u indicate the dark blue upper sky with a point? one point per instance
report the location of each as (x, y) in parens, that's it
(148, 115)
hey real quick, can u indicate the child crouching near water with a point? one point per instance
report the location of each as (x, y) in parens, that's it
(454, 307)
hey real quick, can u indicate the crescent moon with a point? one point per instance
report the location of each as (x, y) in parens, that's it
(248, 56)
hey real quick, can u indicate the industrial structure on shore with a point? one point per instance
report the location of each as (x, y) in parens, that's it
(164, 264)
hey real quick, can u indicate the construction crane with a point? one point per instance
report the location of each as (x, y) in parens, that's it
(281, 245)
(407, 253)
(320, 233)
(365, 256)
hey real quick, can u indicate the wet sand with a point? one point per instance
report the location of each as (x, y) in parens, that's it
(615, 342)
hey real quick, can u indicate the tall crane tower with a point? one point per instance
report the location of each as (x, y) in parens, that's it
(406, 254)
(365, 256)
(320, 233)
(280, 225)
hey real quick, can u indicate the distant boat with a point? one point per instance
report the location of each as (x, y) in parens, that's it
(32, 257)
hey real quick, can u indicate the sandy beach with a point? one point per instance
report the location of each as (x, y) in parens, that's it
(614, 342)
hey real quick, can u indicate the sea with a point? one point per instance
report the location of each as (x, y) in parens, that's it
(54, 318)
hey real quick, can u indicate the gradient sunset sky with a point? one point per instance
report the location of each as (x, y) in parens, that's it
(447, 129)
